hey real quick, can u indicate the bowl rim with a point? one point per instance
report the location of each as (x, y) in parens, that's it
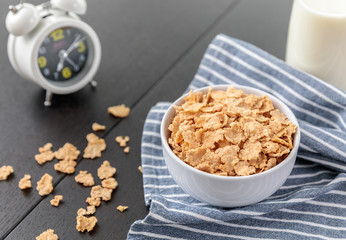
(224, 87)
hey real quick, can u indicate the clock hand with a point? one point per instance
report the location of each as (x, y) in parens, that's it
(72, 62)
(60, 66)
(72, 44)
(75, 43)
(61, 61)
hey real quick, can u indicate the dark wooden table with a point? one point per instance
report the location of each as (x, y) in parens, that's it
(150, 52)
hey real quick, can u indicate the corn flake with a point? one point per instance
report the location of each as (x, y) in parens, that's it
(48, 235)
(106, 170)
(85, 223)
(45, 185)
(119, 111)
(243, 168)
(82, 212)
(122, 208)
(5, 171)
(98, 127)
(46, 154)
(65, 166)
(127, 150)
(122, 140)
(68, 152)
(89, 211)
(95, 146)
(44, 157)
(47, 147)
(56, 200)
(110, 183)
(25, 182)
(85, 178)
(99, 192)
(140, 168)
(94, 201)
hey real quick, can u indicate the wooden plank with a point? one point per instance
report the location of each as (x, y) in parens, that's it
(141, 40)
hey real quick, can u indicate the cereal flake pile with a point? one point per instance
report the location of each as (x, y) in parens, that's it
(67, 161)
(106, 173)
(230, 133)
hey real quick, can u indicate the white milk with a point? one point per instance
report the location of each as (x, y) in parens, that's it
(317, 39)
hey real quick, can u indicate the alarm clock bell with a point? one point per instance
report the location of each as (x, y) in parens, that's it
(49, 45)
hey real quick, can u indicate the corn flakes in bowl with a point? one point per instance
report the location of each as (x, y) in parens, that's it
(229, 146)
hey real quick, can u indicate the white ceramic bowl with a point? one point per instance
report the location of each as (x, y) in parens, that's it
(228, 191)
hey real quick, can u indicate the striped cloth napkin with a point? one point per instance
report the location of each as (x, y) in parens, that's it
(312, 202)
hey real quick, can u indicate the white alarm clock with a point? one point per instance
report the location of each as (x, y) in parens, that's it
(49, 45)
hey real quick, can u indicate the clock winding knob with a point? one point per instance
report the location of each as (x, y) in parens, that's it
(75, 6)
(21, 19)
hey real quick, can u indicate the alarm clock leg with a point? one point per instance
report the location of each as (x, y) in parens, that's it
(93, 83)
(48, 101)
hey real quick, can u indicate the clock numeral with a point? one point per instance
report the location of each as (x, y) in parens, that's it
(57, 35)
(42, 62)
(82, 58)
(76, 68)
(46, 40)
(81, 47)
(42, 50)
(46, 72)
(56, 75)
(66, 72)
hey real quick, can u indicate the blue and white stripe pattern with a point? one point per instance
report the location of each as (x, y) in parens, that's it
(312, 202)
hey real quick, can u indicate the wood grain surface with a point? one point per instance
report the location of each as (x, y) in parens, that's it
(151, 50)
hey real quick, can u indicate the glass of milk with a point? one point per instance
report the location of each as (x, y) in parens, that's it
(317, 39)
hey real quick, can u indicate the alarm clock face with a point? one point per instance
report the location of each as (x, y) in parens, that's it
(63, 55)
